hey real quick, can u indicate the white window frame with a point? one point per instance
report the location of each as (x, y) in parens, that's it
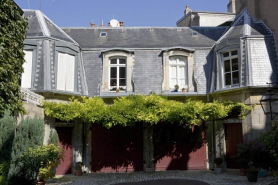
(118, 65)
(230, 57)
(178, 65)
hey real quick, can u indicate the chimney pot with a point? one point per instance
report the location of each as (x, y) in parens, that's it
(102, 24)
(121, 24)
(93, 24)
(187, 10)
(109, 25)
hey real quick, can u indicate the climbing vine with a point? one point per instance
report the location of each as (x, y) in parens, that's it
(12, 30)
(151, 109)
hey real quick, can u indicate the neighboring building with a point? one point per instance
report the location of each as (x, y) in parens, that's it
(212, 63)
(205, 19)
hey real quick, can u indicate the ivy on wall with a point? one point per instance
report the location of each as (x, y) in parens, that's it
(12, 30)
(150, 109)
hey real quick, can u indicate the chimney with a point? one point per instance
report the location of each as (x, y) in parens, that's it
(93, 24)
(231, 7)
(102, 24)
(121, 24)
(187, 10)
(109, 25)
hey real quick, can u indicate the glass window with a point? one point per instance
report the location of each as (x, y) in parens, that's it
(178, 72)
(117, 74)
(230, 67)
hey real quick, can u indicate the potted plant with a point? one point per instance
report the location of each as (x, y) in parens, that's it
(176, 88)
(183, 89)
(218, 168)
(117, 90)
(252, 173)
(78, 168)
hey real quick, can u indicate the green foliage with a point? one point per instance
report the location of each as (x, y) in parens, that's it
(35, 158)
(218, 161)
(270, 141)
(7, 132)
(151, 109)
(30, 134)
(53, 137)
(12, 30)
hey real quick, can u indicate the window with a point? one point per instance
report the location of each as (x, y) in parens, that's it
(178, 73)
(65, 72)
(26, 77)
(230, 68)
(103, 34)
(117, 68)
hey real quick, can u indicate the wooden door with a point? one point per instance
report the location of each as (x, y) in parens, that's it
(64, 134)
(178, 148)
(119, 149)
(233, 136)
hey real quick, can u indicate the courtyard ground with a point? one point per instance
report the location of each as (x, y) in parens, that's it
(122, 178)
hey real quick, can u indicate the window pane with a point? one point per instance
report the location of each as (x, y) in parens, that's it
(70, 64)
(235, 78)
(122, 72)
(122, 82)
(113, 61)
(173, 82)
(182, 60)
(173, 72)
(182, 83)
(122, 61)
(113, 82)
(226, 54)
(234, 52)
(27, 67)
(227, 66)
(181, 72)
(228, 79)
(173, 60)
(235, 64)
(113, 72)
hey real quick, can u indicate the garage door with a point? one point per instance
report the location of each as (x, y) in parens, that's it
(119, 149)
(178, 148)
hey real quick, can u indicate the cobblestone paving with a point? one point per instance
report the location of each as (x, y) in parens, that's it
(201, 175)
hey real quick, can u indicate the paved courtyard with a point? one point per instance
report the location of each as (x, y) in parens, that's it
(121, 178)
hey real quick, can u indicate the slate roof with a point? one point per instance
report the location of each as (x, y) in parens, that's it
(41, 26)
(143, 37)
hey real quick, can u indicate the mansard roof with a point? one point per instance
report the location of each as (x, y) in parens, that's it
(145, 37)
(41, 26)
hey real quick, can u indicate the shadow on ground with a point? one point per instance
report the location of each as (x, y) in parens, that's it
(166, 182)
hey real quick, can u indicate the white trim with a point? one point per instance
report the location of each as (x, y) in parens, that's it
(42, 23)
(118, 65)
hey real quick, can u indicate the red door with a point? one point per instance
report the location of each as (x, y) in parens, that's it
(64, 134)
(178, 148)
(233, 136)
(119, 149)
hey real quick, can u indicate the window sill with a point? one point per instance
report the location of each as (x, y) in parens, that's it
(180, 93)
(114, 94)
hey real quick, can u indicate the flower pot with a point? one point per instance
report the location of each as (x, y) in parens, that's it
(242, 171)
(176, 90)
(78, 172)
(117, 91)
(218, 170)
(40, 183)
(183, 90)
(262, 174)
(252, 176)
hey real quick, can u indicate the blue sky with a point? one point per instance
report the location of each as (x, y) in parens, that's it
(134, 13)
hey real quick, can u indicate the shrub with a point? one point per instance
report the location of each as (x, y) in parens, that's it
(218, 161)
(7, 131)
(53, 137)
(30, 134)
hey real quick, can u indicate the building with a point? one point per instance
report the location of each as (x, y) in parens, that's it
(212, 63)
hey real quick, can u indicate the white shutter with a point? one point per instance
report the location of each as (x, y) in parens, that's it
(182, 77)
(173, 77)
(70, 73)
(26, 78)
(61, 72)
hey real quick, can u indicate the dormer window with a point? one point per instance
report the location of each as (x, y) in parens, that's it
(103, 34)
(230, 68)
(178, 74)
(117, 73)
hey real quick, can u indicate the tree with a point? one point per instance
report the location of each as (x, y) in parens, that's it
(12, 30)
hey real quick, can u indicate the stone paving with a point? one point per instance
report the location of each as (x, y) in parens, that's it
(201, 175)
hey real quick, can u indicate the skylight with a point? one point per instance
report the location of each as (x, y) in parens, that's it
(103, 34)
(194, 33)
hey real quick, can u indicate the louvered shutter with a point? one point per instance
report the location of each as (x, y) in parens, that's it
(61, 72)
(26, 78)
(70, 63)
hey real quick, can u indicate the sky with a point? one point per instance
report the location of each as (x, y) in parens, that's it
(134, 13)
